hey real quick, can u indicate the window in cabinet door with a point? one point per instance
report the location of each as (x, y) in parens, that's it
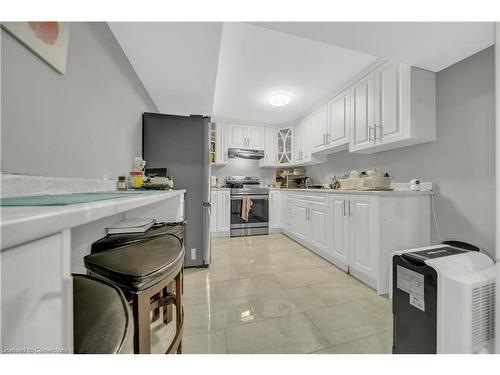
(285, 146)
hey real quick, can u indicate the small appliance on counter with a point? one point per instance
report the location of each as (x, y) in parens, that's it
(443, 301)
(157, 179)
(214, 181)
(290, 179)
(372, 179)
(303, 182)
(415, 184)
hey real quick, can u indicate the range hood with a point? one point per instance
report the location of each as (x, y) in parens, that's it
(245, 154)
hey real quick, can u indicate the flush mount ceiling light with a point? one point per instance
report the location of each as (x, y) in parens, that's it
(279, 98)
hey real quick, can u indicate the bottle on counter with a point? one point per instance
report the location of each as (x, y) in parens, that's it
(122, 183)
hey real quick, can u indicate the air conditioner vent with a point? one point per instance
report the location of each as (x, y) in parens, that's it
(483, 315)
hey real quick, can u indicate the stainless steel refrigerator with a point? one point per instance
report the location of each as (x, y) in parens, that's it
(182, 145)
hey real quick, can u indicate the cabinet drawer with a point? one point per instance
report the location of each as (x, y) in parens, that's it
(316, 198)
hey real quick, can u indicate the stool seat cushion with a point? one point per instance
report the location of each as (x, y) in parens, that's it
(102, 319)
(138, 266)
(123, 239)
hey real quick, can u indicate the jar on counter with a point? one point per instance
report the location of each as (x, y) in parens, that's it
(137, 180)
(122, 183)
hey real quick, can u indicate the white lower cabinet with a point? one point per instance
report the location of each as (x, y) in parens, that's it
(300, 220)
(274, 210)
(312, 221)
(363, 227)
(288, 201)
(36, 296)
(213, 211)
(220, 217)
(339, 250)
(358, 232)
(319, 220)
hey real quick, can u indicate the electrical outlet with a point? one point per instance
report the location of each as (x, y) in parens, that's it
(193, 254)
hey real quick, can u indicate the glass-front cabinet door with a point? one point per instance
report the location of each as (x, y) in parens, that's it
(285, 145)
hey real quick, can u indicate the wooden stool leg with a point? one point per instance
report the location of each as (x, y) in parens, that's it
(178, 308)
(156, 312)
(142, 334)
(167, 310)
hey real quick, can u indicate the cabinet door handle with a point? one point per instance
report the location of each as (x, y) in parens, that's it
(345, 214)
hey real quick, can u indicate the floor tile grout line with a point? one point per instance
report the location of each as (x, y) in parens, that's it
(284, 288)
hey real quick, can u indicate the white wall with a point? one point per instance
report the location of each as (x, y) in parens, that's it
(86, 123)
(460, 162)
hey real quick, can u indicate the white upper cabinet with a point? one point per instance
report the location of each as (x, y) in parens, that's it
(300, 138)
(256, 136)
(319, 129)
(388, 99)
(330, 128)
(362, 113)
(246, 137)
(237, 136)
(395, 106)
(285, 145)
(219, 137)
(339, 117)
(270, 148)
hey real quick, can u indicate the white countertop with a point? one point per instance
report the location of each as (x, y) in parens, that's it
(357, 192)
(22, 224)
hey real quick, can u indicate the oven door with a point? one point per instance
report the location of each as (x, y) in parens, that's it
(258, 215)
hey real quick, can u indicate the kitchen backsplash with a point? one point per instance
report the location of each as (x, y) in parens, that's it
(243, 167)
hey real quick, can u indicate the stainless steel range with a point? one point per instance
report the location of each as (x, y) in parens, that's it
(249, 206)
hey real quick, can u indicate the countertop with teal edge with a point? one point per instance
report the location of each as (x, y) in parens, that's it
(63, 199)
(21, 224)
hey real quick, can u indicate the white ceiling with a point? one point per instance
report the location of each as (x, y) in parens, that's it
(255, 61)
(428, 45)
(229, 72)
(176, 62)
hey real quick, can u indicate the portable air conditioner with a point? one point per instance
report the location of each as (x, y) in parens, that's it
(443, 301)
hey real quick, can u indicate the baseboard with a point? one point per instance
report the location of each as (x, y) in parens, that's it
(219, 235)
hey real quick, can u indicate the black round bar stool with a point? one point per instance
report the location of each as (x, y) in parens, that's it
(102, 320)
(148, 267)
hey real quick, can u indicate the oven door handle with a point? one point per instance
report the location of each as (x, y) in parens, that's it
(254, 197)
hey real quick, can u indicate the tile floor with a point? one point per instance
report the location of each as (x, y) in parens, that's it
(268, 294)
